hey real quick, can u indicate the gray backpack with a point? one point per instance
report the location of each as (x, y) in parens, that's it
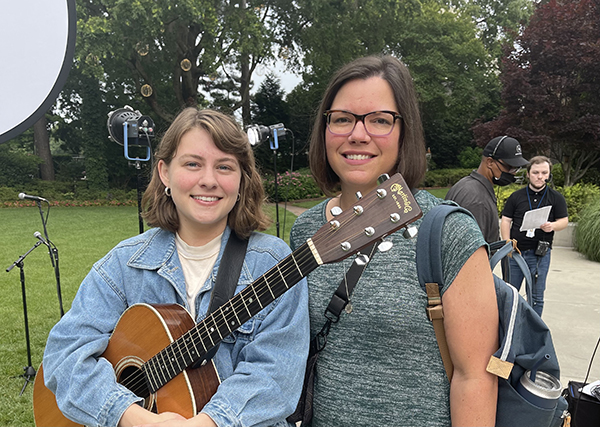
(529, 392)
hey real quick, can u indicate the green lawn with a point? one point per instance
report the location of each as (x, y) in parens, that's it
(82, 236)
(439, 192)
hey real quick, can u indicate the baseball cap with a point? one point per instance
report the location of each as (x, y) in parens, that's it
(506, 149)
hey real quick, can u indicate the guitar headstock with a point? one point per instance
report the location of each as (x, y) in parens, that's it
(383, 211)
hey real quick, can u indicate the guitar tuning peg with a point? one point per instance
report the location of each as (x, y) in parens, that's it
(410, 232)
(361, 259)
(385, 246)
(382, 178)
(359, 195)
(336, 210)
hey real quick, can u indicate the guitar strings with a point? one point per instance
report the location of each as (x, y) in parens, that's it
(260, 288)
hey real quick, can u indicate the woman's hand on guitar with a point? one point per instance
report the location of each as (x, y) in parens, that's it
(135, 415)
(170, 419)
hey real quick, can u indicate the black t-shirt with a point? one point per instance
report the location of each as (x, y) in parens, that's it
(526, 199)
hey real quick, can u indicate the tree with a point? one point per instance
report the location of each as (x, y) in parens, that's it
(167, 52)
(41, 141)
(269, 108)
(551, 81)
(454, 77)
(440, 41)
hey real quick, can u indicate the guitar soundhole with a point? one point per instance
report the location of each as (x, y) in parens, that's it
(130, 375)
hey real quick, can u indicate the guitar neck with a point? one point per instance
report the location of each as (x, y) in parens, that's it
(194, 344)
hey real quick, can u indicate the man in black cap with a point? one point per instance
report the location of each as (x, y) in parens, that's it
(501, 160)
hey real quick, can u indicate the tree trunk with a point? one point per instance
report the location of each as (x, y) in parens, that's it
(41, 141)
(245, 82)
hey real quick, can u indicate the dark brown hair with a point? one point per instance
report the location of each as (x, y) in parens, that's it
(247, 215)
(411, 162)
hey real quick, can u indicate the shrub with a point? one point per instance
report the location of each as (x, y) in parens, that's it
(470, 157)
(502, 193)
(17, 168)
(587, 233)
(292, 186)
(444, 177)
(578, 197)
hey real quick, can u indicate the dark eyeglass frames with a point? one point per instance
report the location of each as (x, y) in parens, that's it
(377, 123)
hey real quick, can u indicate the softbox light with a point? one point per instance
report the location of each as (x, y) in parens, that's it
(37, 44)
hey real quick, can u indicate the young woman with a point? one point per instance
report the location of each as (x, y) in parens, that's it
(381, 365)
(204, 188)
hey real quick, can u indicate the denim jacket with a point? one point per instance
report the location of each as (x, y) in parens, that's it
(261, 365)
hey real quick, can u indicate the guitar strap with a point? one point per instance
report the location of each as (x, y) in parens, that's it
(227, 278)
(339, 301)
(341, 297)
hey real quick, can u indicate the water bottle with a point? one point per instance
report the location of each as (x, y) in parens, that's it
(540, 388)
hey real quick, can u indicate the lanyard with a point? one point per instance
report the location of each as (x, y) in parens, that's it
(529, 200)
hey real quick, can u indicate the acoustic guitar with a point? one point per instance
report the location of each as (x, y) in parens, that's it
(153, 347)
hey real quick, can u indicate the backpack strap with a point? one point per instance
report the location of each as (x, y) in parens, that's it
(509, 248)
(430, 274)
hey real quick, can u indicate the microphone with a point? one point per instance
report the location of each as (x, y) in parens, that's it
(41, 238)
(24, 196)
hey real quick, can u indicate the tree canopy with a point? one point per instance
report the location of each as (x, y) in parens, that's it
(160, 56)
(551, 82)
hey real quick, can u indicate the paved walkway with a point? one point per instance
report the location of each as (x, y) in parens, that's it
(571, 310)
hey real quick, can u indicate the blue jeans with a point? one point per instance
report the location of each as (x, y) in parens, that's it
(538, 266)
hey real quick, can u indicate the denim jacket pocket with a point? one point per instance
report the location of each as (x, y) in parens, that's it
(243, 333)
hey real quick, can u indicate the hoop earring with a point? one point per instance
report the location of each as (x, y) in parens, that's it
(168, 191)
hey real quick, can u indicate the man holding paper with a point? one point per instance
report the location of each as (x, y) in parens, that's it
(531, 215)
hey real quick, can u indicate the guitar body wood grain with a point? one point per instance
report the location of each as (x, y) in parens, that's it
(142, 331)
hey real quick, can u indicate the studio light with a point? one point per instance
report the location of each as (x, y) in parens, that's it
(128, 127)
(258, 134)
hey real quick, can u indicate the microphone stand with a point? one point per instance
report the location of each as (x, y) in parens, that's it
(138, 168)
(29, 370)
(53, 252)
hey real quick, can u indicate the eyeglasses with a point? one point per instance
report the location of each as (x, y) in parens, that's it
(377, 123)
(508, 168)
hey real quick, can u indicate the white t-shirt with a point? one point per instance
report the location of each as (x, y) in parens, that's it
(197, 263)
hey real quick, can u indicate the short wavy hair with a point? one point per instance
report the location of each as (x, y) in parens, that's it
(247, 215)
(539, 160)
(411, 162)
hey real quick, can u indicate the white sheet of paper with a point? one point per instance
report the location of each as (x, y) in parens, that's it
(588, 388)
(535, 218)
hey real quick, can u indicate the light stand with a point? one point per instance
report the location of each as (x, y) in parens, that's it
(258, 134)
(29, 371)
(130, 128)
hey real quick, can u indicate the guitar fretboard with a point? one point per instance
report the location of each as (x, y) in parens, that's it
(194, 344)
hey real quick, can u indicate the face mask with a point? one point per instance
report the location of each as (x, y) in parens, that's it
(505, 179)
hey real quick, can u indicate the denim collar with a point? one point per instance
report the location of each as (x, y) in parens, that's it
(158, 248)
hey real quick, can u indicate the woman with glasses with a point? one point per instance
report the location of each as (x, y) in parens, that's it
(381, 365)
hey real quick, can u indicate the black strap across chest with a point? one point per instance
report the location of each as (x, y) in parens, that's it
(227, 278)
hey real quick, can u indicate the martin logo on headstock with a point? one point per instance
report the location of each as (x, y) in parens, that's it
(381, 212)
